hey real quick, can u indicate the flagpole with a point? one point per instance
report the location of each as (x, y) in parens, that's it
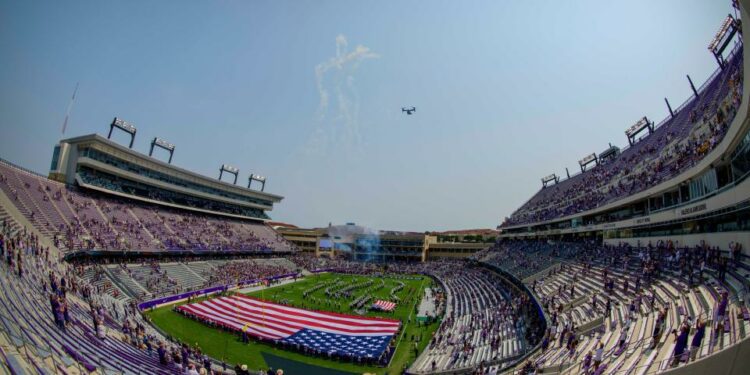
(70, 107)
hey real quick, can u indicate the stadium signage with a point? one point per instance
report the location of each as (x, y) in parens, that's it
(694, 209)
(643, 220)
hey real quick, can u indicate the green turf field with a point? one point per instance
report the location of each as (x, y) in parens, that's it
(220, 344)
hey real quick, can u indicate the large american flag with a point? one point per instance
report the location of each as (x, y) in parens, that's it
(331, 333)
(384, 305)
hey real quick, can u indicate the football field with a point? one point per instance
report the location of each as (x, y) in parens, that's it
(310, 293)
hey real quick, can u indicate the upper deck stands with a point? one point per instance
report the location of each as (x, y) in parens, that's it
(80, 220)
(676, 145)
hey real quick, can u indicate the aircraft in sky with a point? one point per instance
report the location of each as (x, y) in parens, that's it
(409, 111)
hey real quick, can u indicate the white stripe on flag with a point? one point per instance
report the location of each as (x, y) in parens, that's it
(301, 319)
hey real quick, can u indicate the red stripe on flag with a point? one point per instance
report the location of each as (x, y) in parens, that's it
(270, 320)
(225, 322)
(325, 316)
(298, 320)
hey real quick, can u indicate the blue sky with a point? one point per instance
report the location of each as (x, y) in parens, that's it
(309, 93)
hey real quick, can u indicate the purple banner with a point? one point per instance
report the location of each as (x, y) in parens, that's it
(177, 297)
(323, 270)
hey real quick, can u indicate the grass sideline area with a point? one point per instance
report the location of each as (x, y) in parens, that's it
(223, 345)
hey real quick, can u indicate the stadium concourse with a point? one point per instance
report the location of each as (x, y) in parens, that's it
(637, 265)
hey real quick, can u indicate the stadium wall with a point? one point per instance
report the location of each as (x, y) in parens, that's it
(723, 200)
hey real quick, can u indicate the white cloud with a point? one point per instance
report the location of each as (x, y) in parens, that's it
(338, 125)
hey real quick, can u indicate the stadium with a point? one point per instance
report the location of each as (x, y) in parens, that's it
(118, 260)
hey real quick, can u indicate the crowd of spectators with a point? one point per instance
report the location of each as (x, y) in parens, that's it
(21, 250)
(626, 276)
(78, 219)
(69, 296)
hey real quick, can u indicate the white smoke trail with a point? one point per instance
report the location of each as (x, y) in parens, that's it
(339, 126)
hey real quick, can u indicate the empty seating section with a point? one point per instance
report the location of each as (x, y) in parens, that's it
(80, 220)
(480, 324)
(152, 279)
(677, 144)
(200, 268)
(183, 276)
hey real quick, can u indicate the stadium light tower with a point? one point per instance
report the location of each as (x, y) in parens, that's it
(158, 142)
(255, 177)
(548, 179)
(588, 159)
(692, 86)
(229, 169)
(633, 131)
(124, 126)
(723, 37)
(669, 107)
